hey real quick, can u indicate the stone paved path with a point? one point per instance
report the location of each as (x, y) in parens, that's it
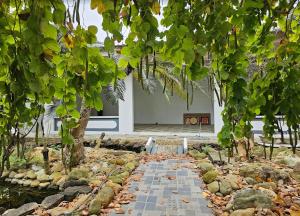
(168, 188)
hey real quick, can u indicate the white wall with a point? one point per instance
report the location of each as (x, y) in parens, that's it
(109, 109)
(154, 108)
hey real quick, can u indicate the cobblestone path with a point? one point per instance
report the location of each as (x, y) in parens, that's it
(167, 188)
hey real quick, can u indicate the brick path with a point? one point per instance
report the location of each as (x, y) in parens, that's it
(167, 188)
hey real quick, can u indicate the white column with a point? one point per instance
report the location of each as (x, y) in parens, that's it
(126, 111)
(218, 121)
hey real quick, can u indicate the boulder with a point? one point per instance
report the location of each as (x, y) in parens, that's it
(197, 155)
(210, 176)
(130, 166)
(34, 183)
(27, 183)
(116, 179)
(116, 187)
(251, 198)
(287, 158)
(36, 168)
(43, 178)
(225, 187)
(71, 183)
(251, 170)
(5, 174)
(233, 180)
(71, 192)
(12, 174)
(79, 173)
(52, 201)
(102, 200)
(268, 192)
(118, 161)
(267, 185)
(19, 176)
(243, 212)
(205, 167)
(30, 175)
(14, 181)
(250, 181)
(43, 185)
(213, 187)
(25, 209)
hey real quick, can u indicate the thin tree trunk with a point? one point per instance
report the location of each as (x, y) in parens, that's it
(77, 150)
(296, 141)
(271, 148)
(291, 139)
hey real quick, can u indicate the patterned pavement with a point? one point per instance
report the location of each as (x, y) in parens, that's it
(168, 188)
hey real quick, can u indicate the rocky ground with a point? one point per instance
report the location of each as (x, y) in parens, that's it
(258, 187)
(87, 188)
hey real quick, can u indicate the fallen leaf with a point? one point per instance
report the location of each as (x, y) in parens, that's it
(185, 200)
(171, 177)
(119, 211)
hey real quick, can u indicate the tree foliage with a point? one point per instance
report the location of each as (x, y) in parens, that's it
(46, 54)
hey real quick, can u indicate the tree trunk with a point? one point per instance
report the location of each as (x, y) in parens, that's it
(77, 150)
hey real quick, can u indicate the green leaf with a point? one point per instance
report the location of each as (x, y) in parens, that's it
(109, 44)
(48, 30)
(93, 29)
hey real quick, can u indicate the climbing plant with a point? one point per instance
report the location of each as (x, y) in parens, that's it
(219, 39)
(47, 54)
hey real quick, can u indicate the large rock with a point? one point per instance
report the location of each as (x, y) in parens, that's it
(79, 173)
(52, 201)
(43, 178)
(71, 192)
(243, 212)
(287, 158)
(44, 185)
(233, 180)
(250, 198)
(116, 179)
(34, 183)
(30, 175)
(19, 176)
(25, 209)
(225, 187)
(27, 183)
(12, 174)
(210, 176)
(102, 200)
(118, 161)
(267, 185)
(5, 174)
(205, 167)
(197, 155)
(116, 187)
(251, 170)
(213, 187)
(71, 183)
(130, 166)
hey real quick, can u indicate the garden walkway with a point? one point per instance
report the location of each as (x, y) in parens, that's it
(167, 188)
